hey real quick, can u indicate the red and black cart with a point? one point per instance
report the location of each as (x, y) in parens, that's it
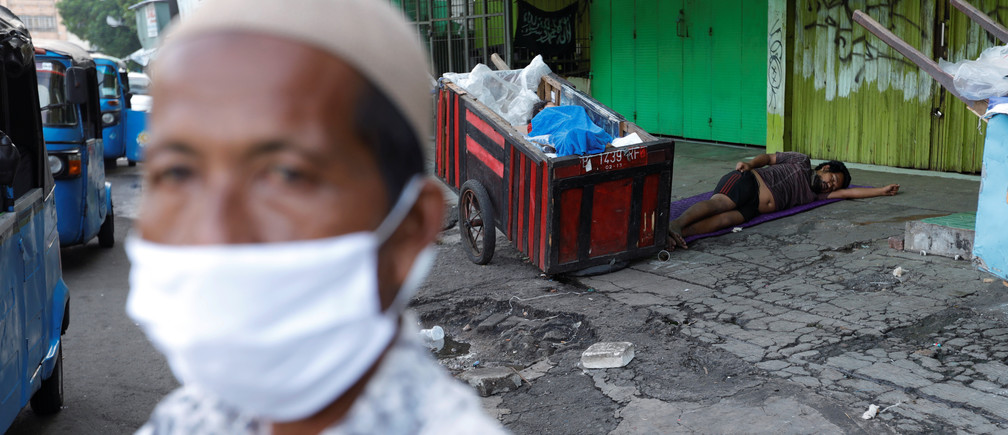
(565, 213)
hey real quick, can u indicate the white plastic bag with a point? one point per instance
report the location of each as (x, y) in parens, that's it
(531, 74)
(983, 78)
(510, 93)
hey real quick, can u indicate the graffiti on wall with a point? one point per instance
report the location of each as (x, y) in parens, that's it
(775, 67)
(841, 58)
(976, 38)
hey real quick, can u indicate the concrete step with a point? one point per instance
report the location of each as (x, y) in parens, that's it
(947, 236)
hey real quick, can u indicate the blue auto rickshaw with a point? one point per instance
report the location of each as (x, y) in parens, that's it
(71, 124)
(121, 125)
(34, 301)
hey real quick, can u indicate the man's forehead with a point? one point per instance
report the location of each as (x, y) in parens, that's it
(258, 69)
(239, 89)
(241, 53)
(371, 35)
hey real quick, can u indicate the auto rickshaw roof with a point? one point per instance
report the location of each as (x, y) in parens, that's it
(78, 54)
(110, 59)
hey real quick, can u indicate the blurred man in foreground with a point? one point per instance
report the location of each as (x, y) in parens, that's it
(286, 222)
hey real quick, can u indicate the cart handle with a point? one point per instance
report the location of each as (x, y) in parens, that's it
(499, 62)
(924, 62)
(996, 29)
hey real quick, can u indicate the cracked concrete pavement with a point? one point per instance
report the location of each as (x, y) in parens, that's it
(793, 326)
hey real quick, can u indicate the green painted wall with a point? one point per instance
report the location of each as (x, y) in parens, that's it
(856, 99)
(690, 68)
(956, 142)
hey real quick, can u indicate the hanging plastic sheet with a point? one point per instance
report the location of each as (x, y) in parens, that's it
(983, 78)
(509, 93)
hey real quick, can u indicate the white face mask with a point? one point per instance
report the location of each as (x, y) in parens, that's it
(277, 330)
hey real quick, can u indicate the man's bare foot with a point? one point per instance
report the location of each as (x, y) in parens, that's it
(675, 238)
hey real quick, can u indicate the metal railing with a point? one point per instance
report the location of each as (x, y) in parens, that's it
(462, 33)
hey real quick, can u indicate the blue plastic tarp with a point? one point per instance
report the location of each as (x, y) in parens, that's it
(570, 130)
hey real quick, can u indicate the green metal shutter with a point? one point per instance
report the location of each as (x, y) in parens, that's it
(601, 51)
(646, 80)
(697, 72)
(624, 72)
(726, 70)
(670, 68)
(691, 68)
(956, 144)
(753, 89)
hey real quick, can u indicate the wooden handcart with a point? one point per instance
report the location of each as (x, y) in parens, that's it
(565, 213)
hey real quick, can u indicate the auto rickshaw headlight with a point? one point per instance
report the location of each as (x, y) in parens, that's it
(109, 118)
(55, 165)
(65, 165)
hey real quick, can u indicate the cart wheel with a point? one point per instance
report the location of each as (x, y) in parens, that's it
(476, 220)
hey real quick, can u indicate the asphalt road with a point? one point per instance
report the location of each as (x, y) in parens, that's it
(795, 326)
(113, 377)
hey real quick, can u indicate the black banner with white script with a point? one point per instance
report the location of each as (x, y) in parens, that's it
(546, 33)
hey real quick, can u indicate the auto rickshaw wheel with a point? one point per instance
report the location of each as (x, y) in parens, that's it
(110, 163)
(476, 222)
(49, 398)
(106, 234)
(131, 163)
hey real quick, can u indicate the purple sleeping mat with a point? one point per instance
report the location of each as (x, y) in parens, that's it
(678, 207)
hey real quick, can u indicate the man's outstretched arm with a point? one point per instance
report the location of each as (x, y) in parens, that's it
(864, 192)
(757, 162)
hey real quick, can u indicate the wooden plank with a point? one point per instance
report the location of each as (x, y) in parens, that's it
(545, 199)
(498, 62)
(611, 218)
(925, 63)
(440, 133)
(995, 28)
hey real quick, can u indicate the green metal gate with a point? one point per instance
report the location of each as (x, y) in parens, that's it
(690, 68)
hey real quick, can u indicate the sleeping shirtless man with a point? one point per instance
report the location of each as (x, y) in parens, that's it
(767, 183)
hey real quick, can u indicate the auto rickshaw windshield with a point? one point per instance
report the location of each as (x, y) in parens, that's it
(108, 84)
(56, 110)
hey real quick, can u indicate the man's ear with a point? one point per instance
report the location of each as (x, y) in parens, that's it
(419, 229)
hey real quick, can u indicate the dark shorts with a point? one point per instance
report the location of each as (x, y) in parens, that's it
(743, 190)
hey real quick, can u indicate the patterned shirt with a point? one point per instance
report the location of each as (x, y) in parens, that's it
(790, 180)
(408, 394)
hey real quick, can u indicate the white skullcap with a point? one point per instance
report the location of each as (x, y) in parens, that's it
(368, 35)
